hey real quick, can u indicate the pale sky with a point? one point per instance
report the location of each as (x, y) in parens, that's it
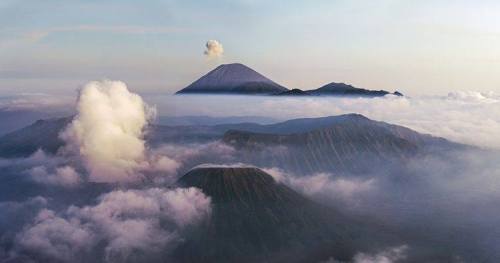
(417, 47)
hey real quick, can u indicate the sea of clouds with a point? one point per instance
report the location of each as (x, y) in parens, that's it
(138, 214)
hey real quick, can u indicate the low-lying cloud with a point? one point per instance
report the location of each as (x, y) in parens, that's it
(64, 176)
(389, 255)
(127, 222)
(324, 185)
(443, 197)
(466, 117)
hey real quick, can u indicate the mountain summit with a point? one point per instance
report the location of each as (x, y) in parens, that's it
(256, 219)
(233, 78)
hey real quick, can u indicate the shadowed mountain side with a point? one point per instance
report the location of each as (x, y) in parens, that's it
(255, 219)
(43, 134)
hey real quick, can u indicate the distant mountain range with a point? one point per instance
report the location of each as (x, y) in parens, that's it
(345, 144)
(237, 78)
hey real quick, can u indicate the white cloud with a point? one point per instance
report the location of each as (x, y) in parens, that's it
(391, 255)
(108, 131)
(37, 35)
(128, 221)
(56, 237)
(64, 176)
(324, 184)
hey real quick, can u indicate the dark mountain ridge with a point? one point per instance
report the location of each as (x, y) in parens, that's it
(339, 89)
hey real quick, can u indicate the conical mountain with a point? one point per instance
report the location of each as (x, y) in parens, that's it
(233, 78)
(256, 219)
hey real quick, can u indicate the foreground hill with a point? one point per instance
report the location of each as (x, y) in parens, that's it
(256, 219)
(233, 79)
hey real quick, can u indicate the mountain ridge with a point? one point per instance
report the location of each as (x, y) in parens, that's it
(43, 134)
(237, 78)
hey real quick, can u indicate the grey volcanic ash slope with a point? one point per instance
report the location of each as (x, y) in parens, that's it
(256, 219)
(233, 78)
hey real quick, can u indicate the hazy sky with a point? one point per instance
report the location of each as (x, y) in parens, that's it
(417, 47)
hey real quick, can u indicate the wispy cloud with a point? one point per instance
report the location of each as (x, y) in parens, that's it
(37, 35)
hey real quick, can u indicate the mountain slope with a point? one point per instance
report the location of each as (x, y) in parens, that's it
(256, 219)
(43, 134)
(233, 79)
(345, 144)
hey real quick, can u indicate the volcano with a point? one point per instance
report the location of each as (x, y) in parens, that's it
(233, 78)
(256, 219)
(346, 144)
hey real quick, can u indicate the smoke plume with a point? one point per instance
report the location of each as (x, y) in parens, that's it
(108, 131)
(214, 49)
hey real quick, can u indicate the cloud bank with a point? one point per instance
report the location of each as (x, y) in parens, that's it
(127, 222)
(466, 117)
(325, 185)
